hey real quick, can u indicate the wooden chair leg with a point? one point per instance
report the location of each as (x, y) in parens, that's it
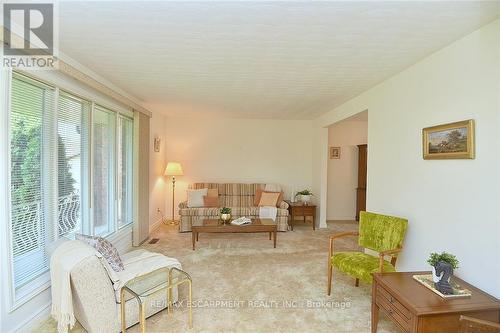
(357, 283)
(330, 273)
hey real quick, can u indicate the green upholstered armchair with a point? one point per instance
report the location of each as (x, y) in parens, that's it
(381, 233)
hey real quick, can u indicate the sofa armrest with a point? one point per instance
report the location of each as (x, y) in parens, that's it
(283, 205)
(183, 205)
(94, 297)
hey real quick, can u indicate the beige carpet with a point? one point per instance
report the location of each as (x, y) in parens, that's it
(242, 284)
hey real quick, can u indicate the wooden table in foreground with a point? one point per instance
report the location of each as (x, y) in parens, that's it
(416, 309)
(215, 226)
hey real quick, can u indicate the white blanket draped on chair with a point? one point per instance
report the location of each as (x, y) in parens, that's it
(140, 262)
(66, 256)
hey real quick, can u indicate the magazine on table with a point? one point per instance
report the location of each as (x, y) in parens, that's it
(241, 221)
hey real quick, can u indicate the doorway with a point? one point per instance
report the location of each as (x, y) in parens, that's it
(347, 168)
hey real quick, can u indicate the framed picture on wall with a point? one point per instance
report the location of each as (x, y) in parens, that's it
(335, 153)
(157, 144)
(449, 141)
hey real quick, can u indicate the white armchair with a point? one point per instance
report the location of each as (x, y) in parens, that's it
(95, 303)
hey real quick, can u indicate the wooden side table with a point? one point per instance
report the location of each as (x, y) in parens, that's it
(416, 309)
(299, 209)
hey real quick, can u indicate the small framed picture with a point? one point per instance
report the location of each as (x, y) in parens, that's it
(157, 144)
(335, 153)
(449, 141)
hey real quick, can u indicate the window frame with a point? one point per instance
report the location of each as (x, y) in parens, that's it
(111, 180)
(26, 292)
(79, 91)
(119, 119)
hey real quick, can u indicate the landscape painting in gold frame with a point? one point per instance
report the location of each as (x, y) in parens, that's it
(449, 141)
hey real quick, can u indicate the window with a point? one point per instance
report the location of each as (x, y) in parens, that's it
(30, 101)
(72, 161)
(103, 171)
(125, 174)
(71, 170)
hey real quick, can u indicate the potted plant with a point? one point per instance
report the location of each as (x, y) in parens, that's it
(304, 196)
(443, 265)
(225, 214)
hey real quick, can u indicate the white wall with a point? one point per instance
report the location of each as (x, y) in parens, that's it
(158, 184)
(451, 205)
(240, 150)
(343, 172)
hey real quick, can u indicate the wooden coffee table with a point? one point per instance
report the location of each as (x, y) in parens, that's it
(215, 226)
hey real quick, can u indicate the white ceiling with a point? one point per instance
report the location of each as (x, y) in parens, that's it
(284, 60)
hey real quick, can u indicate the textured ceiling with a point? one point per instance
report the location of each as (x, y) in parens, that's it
(283, 60)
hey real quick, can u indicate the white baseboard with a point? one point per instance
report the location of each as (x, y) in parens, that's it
(34, 321)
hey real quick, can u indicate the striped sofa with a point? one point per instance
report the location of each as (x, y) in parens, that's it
(239, 197)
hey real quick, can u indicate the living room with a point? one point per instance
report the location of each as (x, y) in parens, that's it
(243, 103)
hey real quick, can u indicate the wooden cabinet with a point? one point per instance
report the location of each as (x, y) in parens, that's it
(416, 309)
(396, 311)
(362, 171)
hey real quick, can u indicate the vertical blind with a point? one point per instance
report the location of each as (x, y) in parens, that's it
(60, 157)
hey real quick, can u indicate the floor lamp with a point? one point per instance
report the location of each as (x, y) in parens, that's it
(173, 169)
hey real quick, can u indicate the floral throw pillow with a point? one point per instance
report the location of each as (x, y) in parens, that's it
(106, 249)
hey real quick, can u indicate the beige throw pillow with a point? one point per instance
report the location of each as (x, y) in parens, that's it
(259, 192)
(213, 192)
(211, 201)
(269, 199)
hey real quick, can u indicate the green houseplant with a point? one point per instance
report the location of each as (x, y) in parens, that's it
(304, 196)
(443, 265)
(434, 258)
(225, 214)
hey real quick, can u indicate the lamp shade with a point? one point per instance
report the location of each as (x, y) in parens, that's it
(173, 169)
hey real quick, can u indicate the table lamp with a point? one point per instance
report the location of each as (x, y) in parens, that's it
(173, 169)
